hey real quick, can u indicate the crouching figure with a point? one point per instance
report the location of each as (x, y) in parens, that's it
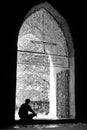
(25, 111)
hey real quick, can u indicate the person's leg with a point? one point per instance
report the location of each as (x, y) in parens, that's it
(31, 116)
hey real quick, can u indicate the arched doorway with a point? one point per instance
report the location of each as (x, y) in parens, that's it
(45, 64)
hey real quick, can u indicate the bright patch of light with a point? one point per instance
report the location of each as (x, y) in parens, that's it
(52, 94)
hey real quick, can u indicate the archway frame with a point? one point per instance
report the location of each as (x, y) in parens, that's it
(64, 26)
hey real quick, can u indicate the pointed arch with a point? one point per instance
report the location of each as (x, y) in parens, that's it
(45, 60)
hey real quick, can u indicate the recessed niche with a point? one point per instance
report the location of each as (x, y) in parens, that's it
(45, 64)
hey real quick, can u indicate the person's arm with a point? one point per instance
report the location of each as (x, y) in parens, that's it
(30, 109)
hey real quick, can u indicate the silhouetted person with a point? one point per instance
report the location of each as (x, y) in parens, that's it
(24, 111)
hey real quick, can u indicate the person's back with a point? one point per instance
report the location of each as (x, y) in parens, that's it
(24, 109)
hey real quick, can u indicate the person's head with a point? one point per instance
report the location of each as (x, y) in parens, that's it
(27, 101)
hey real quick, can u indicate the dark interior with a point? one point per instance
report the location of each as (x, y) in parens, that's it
(12, 17)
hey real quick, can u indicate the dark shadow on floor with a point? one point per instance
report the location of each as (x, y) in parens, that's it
(30, 122)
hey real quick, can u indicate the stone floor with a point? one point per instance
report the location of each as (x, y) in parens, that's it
(78, 126)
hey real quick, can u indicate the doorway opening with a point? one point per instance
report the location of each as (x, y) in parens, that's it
(45, 65)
